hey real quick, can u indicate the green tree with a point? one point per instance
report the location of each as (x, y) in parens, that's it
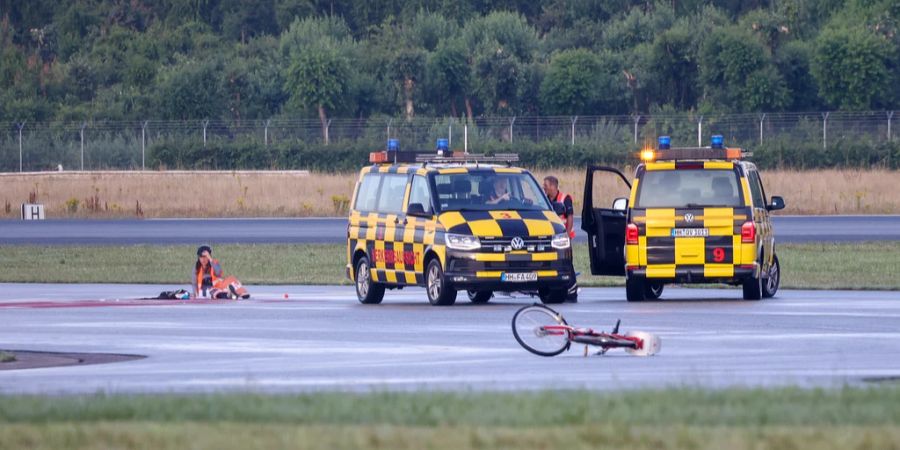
(503, 42)
(192, 90)
(243, 19)
(448, 75)
(736, 73)
(317, 78)
(851, 67)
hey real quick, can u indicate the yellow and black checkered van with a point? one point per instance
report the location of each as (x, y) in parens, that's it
(455, 223)
(694, 215)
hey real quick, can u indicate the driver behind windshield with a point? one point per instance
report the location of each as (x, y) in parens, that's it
(499, 191)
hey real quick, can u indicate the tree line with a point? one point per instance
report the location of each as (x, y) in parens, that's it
(243, 60)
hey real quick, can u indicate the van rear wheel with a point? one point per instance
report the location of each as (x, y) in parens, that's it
(652, 291)
(479, 297)
(635, 289)
(753, 287)
(550, 296)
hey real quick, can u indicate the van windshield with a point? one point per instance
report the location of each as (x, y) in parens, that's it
(488, 190)
(688, 188)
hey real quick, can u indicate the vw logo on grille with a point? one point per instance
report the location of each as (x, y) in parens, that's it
(688, 217)
(517, 243)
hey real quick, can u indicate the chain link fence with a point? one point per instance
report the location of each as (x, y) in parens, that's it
(127, 145)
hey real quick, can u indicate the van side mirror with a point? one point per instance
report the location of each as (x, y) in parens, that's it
(417, 210)
(559, 208)
(777, 203)
(620, 204)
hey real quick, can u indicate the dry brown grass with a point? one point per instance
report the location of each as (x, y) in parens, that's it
(174, 194)
(811, 192)
(292, 194)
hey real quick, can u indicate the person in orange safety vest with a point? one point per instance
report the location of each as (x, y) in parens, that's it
(209, 282)
(551, 188)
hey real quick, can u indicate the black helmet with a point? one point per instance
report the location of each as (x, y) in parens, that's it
(204, 248)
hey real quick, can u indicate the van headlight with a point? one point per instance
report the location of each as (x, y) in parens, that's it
(561, 241)
(462, 242)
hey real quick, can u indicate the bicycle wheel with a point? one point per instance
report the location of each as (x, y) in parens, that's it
(528, 329)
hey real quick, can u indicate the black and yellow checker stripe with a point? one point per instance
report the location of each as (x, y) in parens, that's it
(662, 255)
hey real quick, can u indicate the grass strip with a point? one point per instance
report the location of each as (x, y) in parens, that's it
(227, 435)
(871, 265)
(7, 357)
(875, 405)
(788, 418)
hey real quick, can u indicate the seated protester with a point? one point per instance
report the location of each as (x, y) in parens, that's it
(207, 271)
(208, 279)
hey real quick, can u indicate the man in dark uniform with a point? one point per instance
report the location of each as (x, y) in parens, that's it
(551, 188)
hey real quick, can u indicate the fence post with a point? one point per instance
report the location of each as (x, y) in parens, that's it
(327, 128)
(20, 125)
(450, 137)
(700, 132)
(390, 121)
(83, 125)
(266, 133)
(761, 120)
(637, 120)
(466, 137)
(143, 143)
(511, 122)
(825, 130)
(890, 114)
(574, 119)
(205, 123)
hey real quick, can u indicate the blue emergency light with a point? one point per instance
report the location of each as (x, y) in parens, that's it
(393, 145)
(665, 142)
(717, 141)
(443, 146)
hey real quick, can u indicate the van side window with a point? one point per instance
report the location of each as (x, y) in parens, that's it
(390, 199)
(756, 191)
(420, 193)
(367, 194)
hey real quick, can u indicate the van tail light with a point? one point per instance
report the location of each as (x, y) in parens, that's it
(631, 234)
(748, 232)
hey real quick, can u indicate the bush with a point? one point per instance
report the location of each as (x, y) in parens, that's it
(351, 155)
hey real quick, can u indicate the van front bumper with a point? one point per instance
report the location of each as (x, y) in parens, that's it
(475, 271)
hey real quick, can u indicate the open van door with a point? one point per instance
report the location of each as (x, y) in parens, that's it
(605, 224)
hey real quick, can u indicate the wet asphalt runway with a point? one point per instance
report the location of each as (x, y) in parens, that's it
(321, 338)
(333, 230)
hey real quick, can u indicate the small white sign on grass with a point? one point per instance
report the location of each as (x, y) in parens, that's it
(32, 211)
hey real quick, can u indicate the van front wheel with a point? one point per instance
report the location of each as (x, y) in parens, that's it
(367, 291)
(440, 292)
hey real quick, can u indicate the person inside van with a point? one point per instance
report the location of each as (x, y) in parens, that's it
(499, 192)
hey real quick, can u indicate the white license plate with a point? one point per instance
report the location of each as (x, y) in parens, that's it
(519, 276)
(690, 232)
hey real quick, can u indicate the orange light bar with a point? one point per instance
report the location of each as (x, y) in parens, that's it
(693, 153)
(733, 153)
(378, 157)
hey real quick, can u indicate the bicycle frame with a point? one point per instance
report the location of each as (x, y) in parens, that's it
(590, 337)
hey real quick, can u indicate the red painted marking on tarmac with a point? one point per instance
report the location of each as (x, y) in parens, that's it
(102, 303)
